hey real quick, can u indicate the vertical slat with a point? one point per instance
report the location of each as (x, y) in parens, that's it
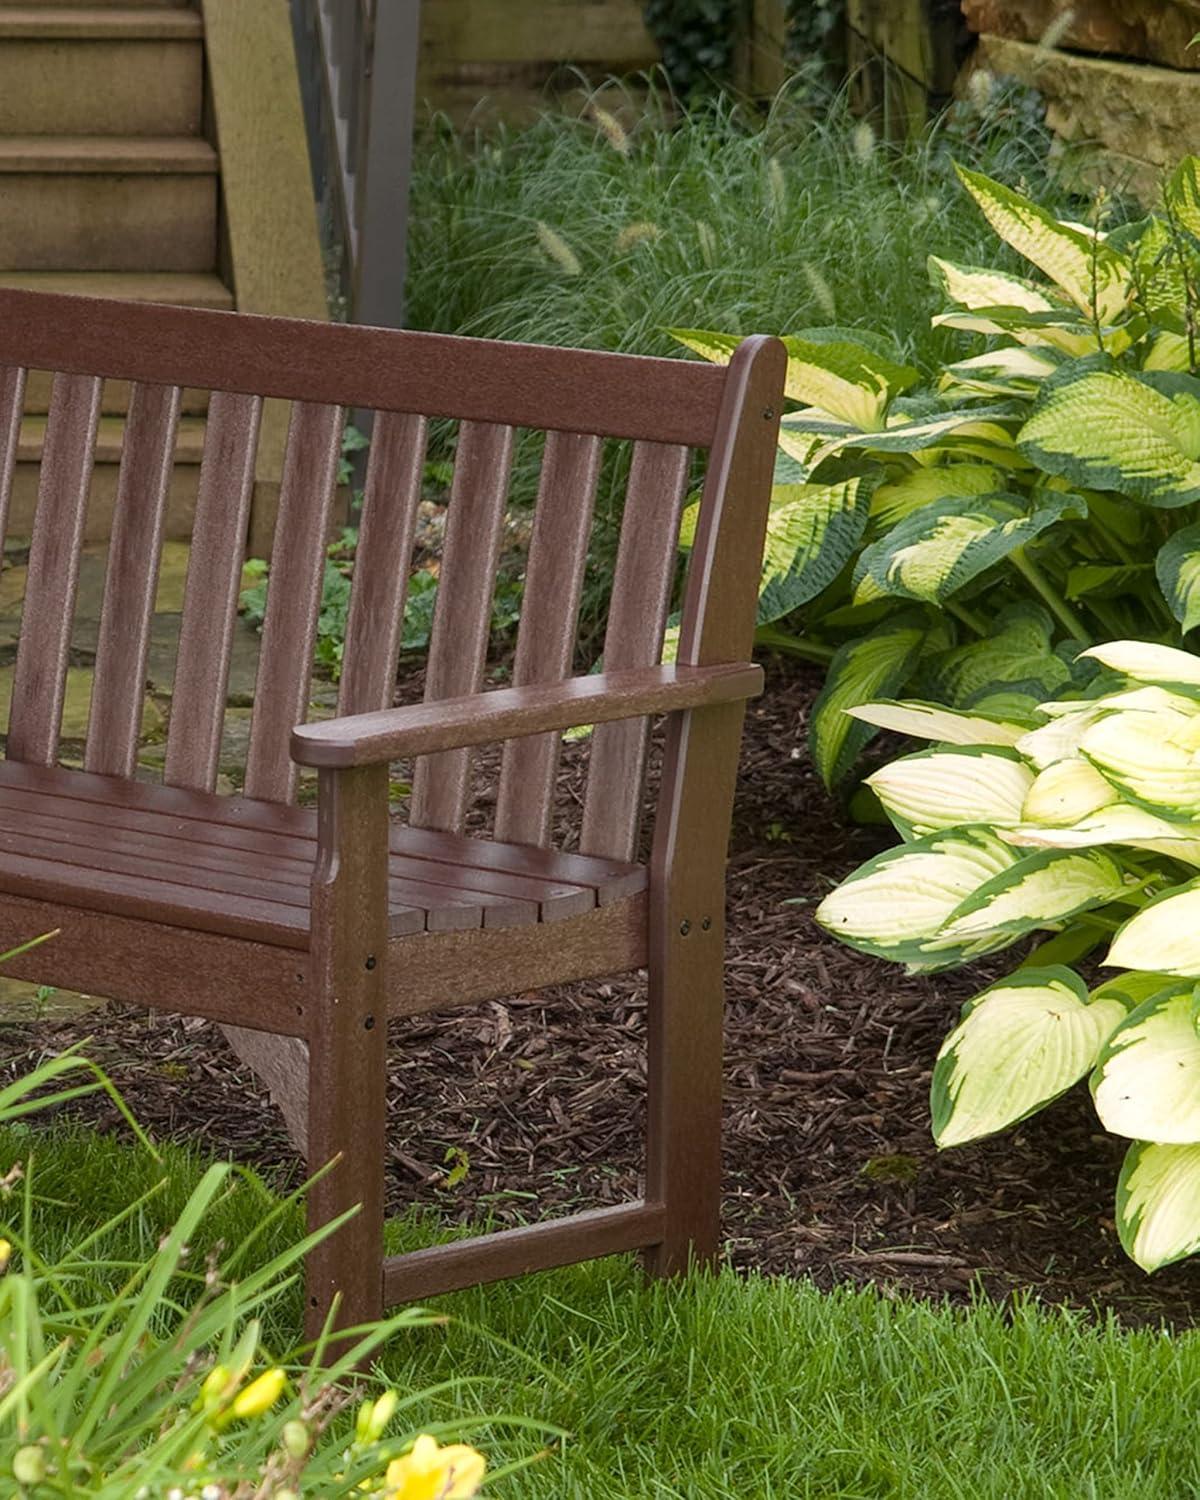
(462, 617)
(293, 597)
(40, 677)
(553, 585)
(12, 402)
(641, 597)
(213, 580)
(385, 539)
(119, 681)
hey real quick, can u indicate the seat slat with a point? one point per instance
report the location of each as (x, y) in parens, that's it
(210, 601)
(119, 680)
(12, 403)
(549, 617)
(289, 633)
(381, 569)
(646, 564)
(463, 613)
(39, 680)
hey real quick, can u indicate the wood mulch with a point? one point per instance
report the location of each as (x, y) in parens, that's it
(532, 1106)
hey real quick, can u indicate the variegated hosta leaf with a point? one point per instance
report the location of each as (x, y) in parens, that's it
(1096, 277)
(717, 348)
(1178, 570)
(931, 721)
(1153, 758)
(894, 905)
(1106, 580)
(1133, 988)
(1145, 662)
(1067, 335)
(812, 531)
(1163, 936)
(1147, 1082)
(873, 666)
(1019, 652)
(1182, 194)
(979, 289)
(946, 788)
(845, 379)
(898, 498)
(1066, 792)
(931, 554)
(1115, 430)
(1158, 1203)
(1002, 372)
(1019, 1045)
(1152, 698)
(1059, 740)
(1169, 351)
(1041, 890)
(1118, 823)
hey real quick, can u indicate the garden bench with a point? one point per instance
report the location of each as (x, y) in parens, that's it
(308, 928)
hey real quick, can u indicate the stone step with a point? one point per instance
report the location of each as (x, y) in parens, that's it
(89, 203)
(181, 500)
(101, 70)
(179, 288)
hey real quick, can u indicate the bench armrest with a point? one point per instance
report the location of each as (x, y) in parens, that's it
(512, 713)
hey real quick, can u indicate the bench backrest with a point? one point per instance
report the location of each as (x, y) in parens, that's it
(666, 408)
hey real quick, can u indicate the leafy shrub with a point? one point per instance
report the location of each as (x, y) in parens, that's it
(164, 1386)
(1087, 825)
(965, 542)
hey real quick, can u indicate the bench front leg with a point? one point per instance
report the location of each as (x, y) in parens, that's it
(347, 1052)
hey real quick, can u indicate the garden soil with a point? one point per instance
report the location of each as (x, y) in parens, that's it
(519, 1109)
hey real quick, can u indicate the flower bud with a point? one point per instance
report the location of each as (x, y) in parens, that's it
(260, 1395)
(295, 1439)
(5, 1255)
(29, 1465)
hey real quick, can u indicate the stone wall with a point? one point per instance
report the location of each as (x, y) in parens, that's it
(1157, 31)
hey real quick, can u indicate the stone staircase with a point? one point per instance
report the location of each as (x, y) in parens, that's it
(109, 186)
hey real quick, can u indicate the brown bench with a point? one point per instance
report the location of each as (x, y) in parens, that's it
(313, 927)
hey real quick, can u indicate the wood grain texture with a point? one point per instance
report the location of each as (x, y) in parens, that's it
(12, 403)
(462, 616)
(505, 713)
(647, 559)
(383, 558)
(289, 630)
(210, 600)
(119, 680)
(515, 1252)
(39, 680)
(558, 552)
(439, 375)
(347, 1087)
(163, 967)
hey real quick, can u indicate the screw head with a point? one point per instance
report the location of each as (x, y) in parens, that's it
(768, 413)
(684, 927)
(706, 924)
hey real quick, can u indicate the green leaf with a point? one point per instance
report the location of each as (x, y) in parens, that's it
(845, 379)
(1178, 570)
(931, 554)
(1000, 372)
(873, 666)
(1147, 1081)
(898, 498)
(894, 906)
(1019, 652)
(1106, 580)
(717, 348)
(1182, 194)
(979, 289)
(1105, 427)
(1041, 890)
(1158, 1203)
(812, 531)
(1151, 758)
(1020, 1044)
(936, 789)
(1093, 275)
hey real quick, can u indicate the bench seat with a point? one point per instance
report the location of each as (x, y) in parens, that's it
(242, 868)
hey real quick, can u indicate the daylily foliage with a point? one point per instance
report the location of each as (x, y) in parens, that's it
(962, 542)
(1084, 825)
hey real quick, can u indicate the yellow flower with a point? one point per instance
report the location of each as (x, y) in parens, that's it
(259, 1396)
(5, 1255)
(433, 1473)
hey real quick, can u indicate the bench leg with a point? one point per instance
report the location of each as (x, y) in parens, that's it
(687, 989)
(347, 1070)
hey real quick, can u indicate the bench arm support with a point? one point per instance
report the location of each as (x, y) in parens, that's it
(512, 713)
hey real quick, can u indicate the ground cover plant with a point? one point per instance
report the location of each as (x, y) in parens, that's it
(1087, 826)
(965, 541)
(722, 1387)
(136, 1362)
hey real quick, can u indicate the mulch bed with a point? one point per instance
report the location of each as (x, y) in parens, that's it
(829, 1168)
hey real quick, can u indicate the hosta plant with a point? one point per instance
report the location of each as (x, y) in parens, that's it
(963, 542)
(1083, 826)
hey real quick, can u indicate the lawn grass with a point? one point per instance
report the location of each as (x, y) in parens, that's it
(725, 1387)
